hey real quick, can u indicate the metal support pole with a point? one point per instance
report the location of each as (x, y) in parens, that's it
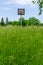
(21, 19)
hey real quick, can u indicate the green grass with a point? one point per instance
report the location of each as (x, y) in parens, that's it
(21, 45)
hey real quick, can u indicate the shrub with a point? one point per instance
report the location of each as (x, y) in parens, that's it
(33, 21)
(15, 23)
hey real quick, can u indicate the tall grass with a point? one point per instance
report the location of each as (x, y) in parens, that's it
(21, 45)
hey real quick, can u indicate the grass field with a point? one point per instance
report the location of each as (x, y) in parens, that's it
(21, 45)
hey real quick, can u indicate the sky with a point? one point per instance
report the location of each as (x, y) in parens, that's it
(8, 8)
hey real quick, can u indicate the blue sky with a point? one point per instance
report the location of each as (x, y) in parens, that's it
(8, 8)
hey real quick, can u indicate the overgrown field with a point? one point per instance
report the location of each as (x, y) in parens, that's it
(21, 45)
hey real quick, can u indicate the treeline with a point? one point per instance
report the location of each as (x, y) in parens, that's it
(22, 21)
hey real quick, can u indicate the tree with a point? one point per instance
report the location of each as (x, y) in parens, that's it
(10, 22)
(7, 20)
(41, 24)
(20, 21)
(15, 23)
(2, 21)
(24, 22)
(40, 5)
(33, 21)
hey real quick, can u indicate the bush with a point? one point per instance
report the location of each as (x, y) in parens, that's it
(15, 23)
(10, 22)
(41, 24)
(22, 22)
(33, 21)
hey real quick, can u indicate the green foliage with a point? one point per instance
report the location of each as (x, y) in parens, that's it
(2, 21)
(21, 46)
(22, 22)
(41, 24)
(15, 23)
(10, 22)
(7, 20)
(33, 21)
(40, 5)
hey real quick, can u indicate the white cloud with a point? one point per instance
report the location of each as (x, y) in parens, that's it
(24, 2)
(5, 8)
(20, 2)
(9, 2)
